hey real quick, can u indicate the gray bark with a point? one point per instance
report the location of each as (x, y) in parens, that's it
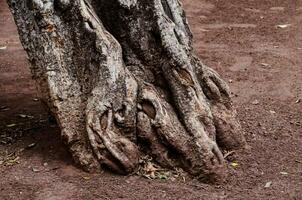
(122, 80)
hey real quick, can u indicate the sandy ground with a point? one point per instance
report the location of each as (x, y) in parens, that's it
(242, 41)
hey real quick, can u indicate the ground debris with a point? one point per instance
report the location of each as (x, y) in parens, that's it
(227, 154)
(25, 116)
(32, 145)
(86, 178)
(268, 184)
(255, 102)
(234, 164)
(10, 160)
(11, 125)
(36, 170)
(283, 26)
(264, 64)
(150, 170)
(4, 108)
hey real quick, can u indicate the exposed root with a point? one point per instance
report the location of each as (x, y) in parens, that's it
(131, 89)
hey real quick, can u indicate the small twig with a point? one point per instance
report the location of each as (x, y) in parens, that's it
(52, 169)
(228, 154)
(198, 186)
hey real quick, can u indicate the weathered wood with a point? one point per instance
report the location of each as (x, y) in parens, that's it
(118, 74)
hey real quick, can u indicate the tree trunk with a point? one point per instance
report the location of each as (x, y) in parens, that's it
(122, 80)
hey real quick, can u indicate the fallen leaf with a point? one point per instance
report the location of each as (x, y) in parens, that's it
(25, 116)
(162, 176)
(35, 170)
(4, 109)
(283, 26)
(150, 167)
(86, 177)
(13, 161)
(31, 145)
(234, 164)
(268, 184)
(10, 125)
(264, 64)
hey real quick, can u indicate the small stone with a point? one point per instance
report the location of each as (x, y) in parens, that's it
(264, 64)
(255, 102)
(268, 184)
(282, 26)
(35, 170)
(284, 173)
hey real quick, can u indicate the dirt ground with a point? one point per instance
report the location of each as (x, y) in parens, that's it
(241, 39)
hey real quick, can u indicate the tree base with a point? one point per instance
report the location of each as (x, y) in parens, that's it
(122, 81)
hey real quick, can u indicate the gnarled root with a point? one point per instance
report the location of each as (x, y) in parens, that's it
(130, 89)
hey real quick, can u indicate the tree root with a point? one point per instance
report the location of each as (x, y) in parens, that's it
(122, 80)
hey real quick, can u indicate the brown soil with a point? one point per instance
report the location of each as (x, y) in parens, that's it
(241, 40)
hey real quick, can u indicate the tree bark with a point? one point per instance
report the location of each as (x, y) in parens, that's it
(122, 80)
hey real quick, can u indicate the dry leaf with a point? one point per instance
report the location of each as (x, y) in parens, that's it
(264, 64)
(86, 177)
(234, 164)
(35, 170)
(10, 125)
(12, 161)
(283, 26)
(25, 116)
(268, 184)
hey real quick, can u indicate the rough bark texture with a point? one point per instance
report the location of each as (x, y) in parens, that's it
(122, 80)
